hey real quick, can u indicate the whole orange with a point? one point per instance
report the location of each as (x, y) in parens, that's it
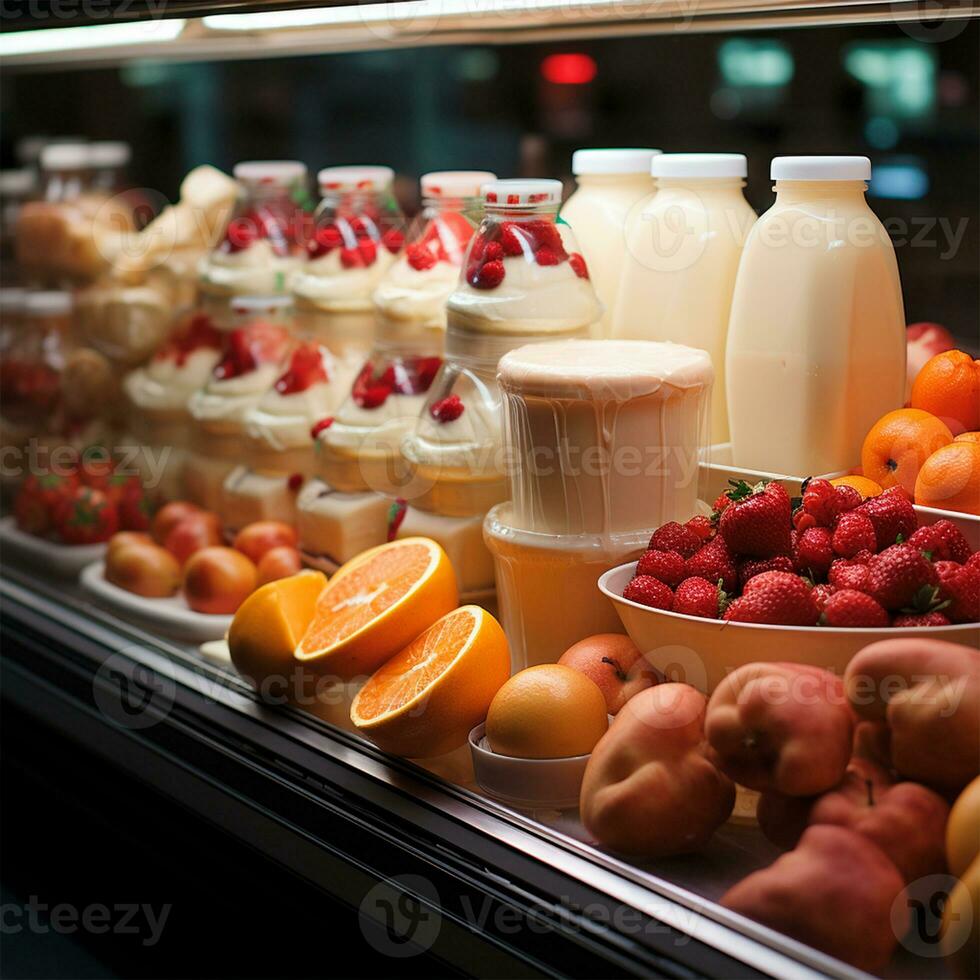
(899, 443)
(948, 386)
(950, 478)
(968, 437)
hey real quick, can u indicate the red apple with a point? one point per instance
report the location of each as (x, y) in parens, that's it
(923, 341)
(614, 663)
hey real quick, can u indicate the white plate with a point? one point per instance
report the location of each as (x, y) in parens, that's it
(60, 560)
(172, 617)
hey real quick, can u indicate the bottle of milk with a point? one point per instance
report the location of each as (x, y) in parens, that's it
(609, 184)
(816, 343)
(683, 249)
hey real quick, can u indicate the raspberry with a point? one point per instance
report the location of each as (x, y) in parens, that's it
(943, 540)
(493, 252)
(393, 240)
(756, 566)
(848, 608)
(814, 552)
(802, 521)
(325, 239)
(351, 258)
(578, 265)
(820, 501)
(912, 620)
(487, 276)
(674, 537)
(373, 396)
(546, 235)
(713, 561)
(702, 527)
(447, 409)
(699, 597)
(419, 257)
(321, 426)
(513, 239)
(368, 250)
(854, 533)
(294, 482)
(546, 256)
(241, 234)
(668, 566)
(649, 591)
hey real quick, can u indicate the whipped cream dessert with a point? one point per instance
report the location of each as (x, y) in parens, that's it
(257, 268)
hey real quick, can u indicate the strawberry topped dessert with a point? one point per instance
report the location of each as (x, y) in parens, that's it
(834, 560)
(262, 249)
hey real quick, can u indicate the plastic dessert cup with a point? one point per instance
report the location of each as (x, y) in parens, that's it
(701, 652)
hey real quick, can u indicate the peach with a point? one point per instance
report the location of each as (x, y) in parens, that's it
(254, 540)
(279, 562)
(218, 580)
(144, 569)
(169, 516)
(614, 663)
(194, 532)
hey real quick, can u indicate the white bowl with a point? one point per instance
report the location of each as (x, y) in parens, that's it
(701, 652)
(526, 784)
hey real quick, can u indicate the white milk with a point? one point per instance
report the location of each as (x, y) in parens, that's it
(609, 184)
(816, 346)
(684, 246)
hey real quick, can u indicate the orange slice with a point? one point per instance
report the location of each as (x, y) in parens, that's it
(864, 486)
(375, 605)
(424, 701)
(269, 624)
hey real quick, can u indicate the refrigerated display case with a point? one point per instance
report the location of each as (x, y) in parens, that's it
(431, 863)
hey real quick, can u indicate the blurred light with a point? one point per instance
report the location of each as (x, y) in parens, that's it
(476, 65)
(881, 132)
(14, 43)
(569, 69)
(900, 179)
(755, 62)
(900, 76)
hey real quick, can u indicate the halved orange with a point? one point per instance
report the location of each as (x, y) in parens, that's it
(375, 605)
(864, 486)
(424, 701)
(269, 624)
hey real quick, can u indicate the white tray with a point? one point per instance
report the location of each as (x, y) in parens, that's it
(59, 560)
(172, 617)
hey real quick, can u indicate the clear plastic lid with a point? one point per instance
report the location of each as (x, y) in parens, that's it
(454, 184)
(699, 165)
(268, 211)
(367, 178)
(283, 173)
(13, 300)
(820, 168)
(16, 183)
(65, 156)
(51, 302)
(110, 154)
(613, 161)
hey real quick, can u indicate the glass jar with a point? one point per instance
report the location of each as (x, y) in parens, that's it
(523, 281)
(359, 451)
(358, 232)
(16, 187)
(262, 248)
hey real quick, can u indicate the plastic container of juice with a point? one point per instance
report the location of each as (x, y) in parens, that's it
(609, 184)
(684, 246)
(816, 344)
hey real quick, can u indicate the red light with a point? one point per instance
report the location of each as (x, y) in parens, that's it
(569, 69)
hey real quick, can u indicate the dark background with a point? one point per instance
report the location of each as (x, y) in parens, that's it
(884, 91)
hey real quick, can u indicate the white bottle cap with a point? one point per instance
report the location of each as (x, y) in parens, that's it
(16, 183)
(699, 165)
(270, 171)
(65, 156)
(257, 305)
(109, 153)
(48, 302)
(454, 183)
(613, 161)
(516, 193)
(355, 178)
(12, 299)
(820, 168)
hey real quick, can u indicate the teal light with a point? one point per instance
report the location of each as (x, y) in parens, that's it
(900, 76)
(755, 63)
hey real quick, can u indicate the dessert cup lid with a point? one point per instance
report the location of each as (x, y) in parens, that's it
(109, 153)
(635, 160)
(455, 183)
(270, 171)
(360, 177)
(699, 165)
(16, 182)
(254, 305)
(603, 370)
(12, 299)
(65, 156)
(820, 168)
(522, 192)
(48, 302)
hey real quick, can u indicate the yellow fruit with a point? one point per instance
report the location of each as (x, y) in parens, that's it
(864, 486)
(375, 605)
(269, 623)
(424, 700)
(963, 830)
(967, 437)
(961, 924)
(547, 712)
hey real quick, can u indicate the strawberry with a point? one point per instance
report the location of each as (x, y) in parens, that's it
(943, 540)
(305, 369)
(902, 576)
(973, 561)
(854, 533)
(849, 608)
(134, 511)
(668, 566)
(802, 521)
(959, 585)
(846, 498)
(813, 552)
(702, 527)
(721, 502)
(447, 409)
(675, 537)
(487, 276)
(750, 567)
(757, 521)
(578, 265)
(714, 562)
(821, 593)
(906, 620)
(892, 515)
(776, 599)
(699, 597)
(649, 591)
(85, 516)
(851, 573)
(820, 501)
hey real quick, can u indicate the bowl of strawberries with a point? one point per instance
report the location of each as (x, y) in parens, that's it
(810, 580)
